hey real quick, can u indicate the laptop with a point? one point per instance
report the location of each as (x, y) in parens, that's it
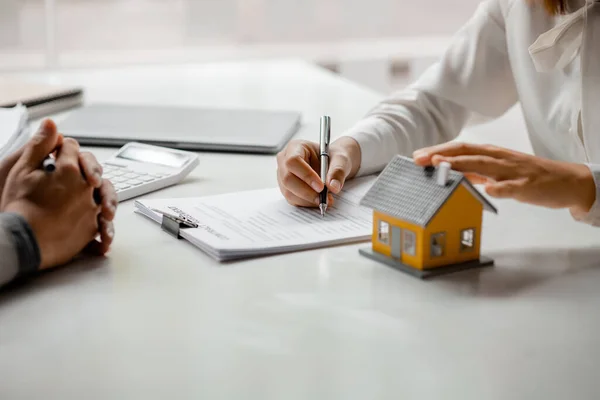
(196, 129)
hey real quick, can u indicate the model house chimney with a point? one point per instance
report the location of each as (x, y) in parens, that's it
(443, 172)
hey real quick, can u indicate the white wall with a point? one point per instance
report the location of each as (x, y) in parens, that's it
(91, 32)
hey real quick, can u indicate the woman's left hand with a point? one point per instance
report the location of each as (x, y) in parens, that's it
(511, 174)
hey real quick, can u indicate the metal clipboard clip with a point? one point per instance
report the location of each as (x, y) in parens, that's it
(173, 224)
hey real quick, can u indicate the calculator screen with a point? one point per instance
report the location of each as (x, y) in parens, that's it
(147, 155)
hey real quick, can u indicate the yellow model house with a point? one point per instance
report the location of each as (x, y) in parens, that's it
(426, 221)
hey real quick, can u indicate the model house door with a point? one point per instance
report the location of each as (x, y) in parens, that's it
(396, 242)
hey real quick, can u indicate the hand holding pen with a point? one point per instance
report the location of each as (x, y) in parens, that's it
(49, 164)
(299, 166)
(325, 138)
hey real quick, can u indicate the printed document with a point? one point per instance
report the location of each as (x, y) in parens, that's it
(261, 222)
(14, 129)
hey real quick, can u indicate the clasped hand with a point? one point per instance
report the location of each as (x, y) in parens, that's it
(66, 209)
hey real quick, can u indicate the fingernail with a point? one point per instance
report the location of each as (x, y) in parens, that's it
(435, 160)
(42, 131)
(335, 185)
(45, 127)
(419, 154)
(108, 227)
(316, 186)
(317, 200)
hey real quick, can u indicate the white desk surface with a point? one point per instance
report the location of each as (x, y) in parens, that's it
(159, 319)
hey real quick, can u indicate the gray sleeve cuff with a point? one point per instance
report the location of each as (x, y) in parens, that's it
(592, 217)
(19, 250)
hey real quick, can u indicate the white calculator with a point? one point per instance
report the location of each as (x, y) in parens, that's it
(138, 168)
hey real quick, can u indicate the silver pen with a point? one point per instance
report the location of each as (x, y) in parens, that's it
(49, 163)
(324, 150)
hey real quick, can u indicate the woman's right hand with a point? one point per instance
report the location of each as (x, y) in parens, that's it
(299, 163)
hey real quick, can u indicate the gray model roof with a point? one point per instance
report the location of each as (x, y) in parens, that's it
(406, 191)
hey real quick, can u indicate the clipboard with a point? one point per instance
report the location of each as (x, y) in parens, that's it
(173, 224)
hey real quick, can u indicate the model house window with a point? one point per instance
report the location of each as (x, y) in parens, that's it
(438, 244)
(410, 243)
(384, 232)
(467, 240)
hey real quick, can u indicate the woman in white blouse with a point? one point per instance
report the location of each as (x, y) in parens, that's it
(544, 54)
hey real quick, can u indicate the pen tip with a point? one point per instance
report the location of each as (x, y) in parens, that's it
(323, 208)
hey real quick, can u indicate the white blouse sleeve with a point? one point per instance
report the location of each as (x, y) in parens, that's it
(473, 76)
(593, 215)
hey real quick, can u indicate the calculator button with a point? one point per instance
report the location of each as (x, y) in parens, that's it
(114, 164)
(121, 186)
(134, 182)
(146, 178)
(118, 179)
(130, 175)
(118, 173)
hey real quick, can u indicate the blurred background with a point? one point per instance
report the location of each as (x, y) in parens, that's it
(379, 43)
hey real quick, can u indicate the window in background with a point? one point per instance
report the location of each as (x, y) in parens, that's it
(72, 33)
(22, 34)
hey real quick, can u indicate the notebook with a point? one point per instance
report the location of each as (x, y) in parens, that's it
(40, 99)
(257, 223)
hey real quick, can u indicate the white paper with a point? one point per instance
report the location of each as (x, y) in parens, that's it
(261, 222)
(14, 131)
